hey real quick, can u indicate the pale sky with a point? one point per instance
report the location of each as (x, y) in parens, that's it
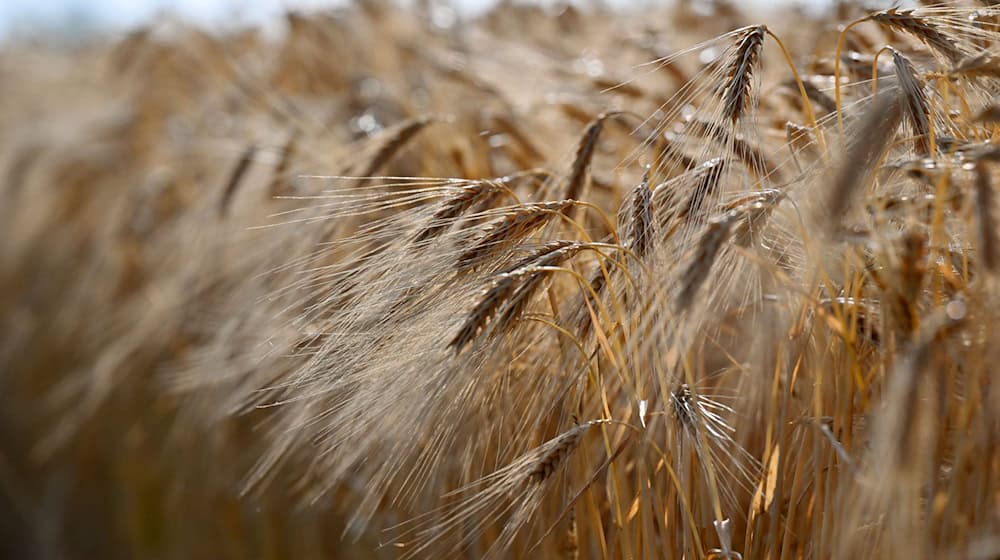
(71, 15)
(121, 14)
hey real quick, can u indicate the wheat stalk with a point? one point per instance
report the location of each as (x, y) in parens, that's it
(391, 143)
(236, 178)
(737, 94)
(635, 219)
(279, 176)
(922, 28)
(916, 105)
(874, 133)
(576, 181)
(516, 224)
(709, 245)
(987, 230)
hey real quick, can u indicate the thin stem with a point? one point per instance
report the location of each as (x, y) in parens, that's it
(836, 71)
(806, 103)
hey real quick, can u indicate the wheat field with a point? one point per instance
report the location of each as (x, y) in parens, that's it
(551, 282)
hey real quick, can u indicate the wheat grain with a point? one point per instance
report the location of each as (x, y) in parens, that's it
(279, 176)
(874, 133)
(751, 156)
(916, 105)
(236, 178)
(922, 28)
(576, 181)
(554, 453)
(515, 225)
(393, 141)
(711, 242)
(635, 219)
(737, 95)
(980, 65)
(454, 207)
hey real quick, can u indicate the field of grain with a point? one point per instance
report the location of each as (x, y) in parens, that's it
(678, 282)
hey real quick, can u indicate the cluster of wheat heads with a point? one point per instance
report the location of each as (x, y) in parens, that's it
(747, 315)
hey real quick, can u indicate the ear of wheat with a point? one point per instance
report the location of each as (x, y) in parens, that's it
(768, 276)
(922, 28)
(741, 70)
(916, 105)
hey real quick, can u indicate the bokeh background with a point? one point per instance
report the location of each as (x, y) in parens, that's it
(69, 19)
